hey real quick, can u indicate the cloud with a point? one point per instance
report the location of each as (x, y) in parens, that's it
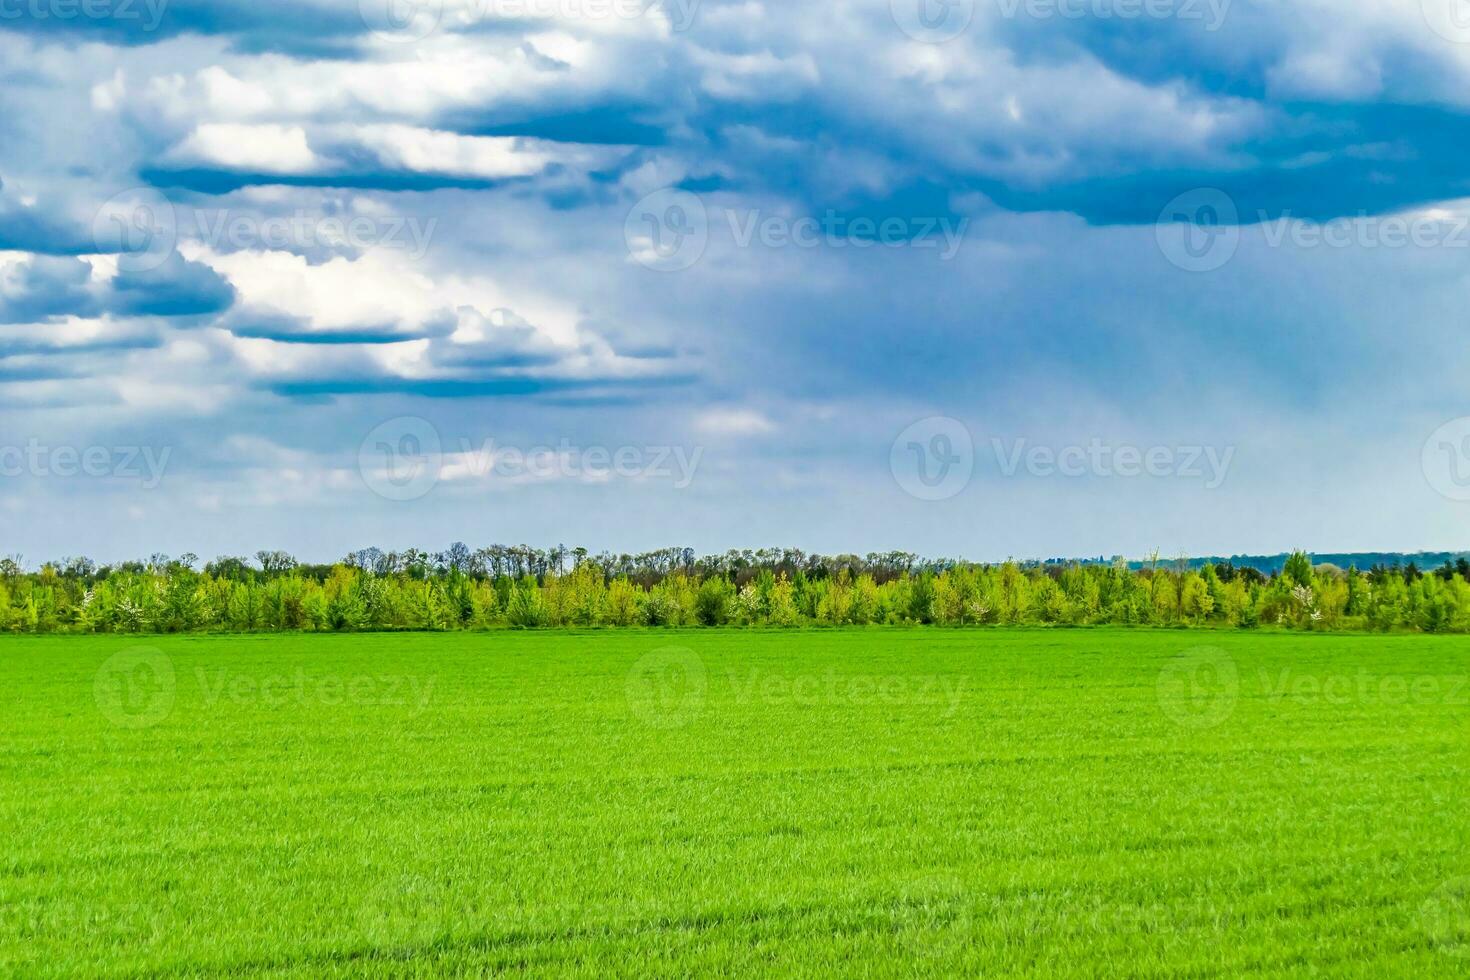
(381, 323)
(44, 227)
(43, 287)
(734, 422)
(176, 288)
(39, 288)
(262, 147)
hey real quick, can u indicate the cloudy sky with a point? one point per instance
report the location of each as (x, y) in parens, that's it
(966, 277)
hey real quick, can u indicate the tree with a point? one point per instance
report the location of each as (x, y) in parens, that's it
(1195, 600)
(712, 602)
(458, 558)
(275, 562)
(921, 599)
(1298, 569)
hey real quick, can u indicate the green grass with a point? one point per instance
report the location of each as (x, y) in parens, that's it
(877, 803)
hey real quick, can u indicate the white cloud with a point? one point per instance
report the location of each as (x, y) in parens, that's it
(238, 146)
(436, 151)
(734, 422)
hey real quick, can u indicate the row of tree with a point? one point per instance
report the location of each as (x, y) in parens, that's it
(519, 561)
(526, 588)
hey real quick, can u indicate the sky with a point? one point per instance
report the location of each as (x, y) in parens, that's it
(979, 278)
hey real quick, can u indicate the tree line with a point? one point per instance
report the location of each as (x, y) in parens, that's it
(526, 588)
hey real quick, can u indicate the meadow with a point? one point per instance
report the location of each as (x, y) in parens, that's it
(880, 802)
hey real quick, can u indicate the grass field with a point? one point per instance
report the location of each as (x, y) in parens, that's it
(883, 803)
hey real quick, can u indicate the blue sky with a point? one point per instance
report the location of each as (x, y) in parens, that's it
(993, 278)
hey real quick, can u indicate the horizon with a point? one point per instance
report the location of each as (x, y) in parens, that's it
(569, 555)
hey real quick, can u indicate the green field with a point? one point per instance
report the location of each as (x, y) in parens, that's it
(879, 803)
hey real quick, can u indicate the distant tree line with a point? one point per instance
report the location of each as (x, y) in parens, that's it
(528, 588)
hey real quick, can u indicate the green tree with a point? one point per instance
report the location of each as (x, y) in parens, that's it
(1298, 569)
